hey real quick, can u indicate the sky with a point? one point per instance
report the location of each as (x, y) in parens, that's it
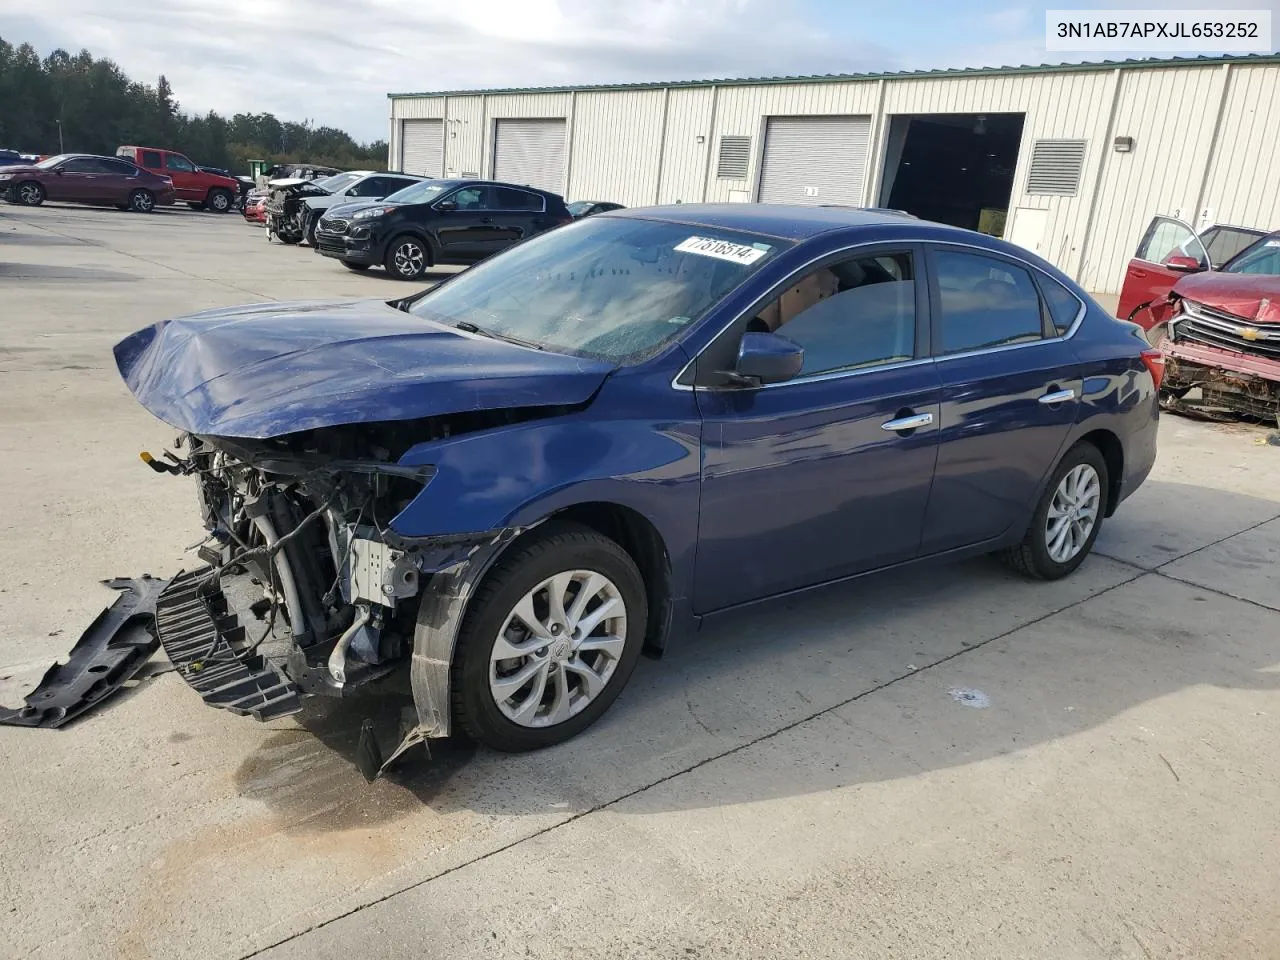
(334, 61)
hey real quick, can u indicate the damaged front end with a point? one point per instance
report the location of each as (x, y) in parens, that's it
(306, 588)
(286, 210)
(1233, 360)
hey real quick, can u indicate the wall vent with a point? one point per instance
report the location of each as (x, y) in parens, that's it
(735, 158)
(1055, 167)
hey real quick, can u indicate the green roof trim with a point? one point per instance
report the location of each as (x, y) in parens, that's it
(1145, 63)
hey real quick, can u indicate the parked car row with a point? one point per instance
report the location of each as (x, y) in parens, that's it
(408, 224)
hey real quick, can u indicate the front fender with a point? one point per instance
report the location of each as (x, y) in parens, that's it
(516, 475)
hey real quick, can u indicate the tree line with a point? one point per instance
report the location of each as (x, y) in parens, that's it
(98, 108)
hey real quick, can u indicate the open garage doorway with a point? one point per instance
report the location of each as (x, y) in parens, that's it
(954, 168)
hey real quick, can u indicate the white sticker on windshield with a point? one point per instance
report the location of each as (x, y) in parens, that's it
(722, 250)
(1270, 243)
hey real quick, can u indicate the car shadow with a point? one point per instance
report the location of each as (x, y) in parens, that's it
(61, 272)
(859, 683)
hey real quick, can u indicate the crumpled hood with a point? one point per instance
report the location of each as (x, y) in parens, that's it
(271, 369)
(1248, 296)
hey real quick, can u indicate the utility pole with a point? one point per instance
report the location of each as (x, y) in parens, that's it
(61, 148)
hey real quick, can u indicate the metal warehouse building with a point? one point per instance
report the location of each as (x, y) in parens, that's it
(1069, 160)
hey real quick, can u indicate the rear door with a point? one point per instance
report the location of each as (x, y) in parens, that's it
(1149, 275)
(119, 180)
(515, 216)
(185, 179)
(1011, 385)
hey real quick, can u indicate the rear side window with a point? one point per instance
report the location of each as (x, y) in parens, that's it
(507, 199)
(983, 302)
(1062, 303)
(152, 159)
(120, 167)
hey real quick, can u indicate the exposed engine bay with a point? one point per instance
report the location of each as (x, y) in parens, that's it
(286, 212)
(305, 588)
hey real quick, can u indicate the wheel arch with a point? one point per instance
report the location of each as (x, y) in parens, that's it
(1112, 450)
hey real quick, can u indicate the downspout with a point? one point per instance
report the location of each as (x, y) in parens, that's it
(1078, 275)
(568, 146)
(1213, 146)
(662, 144)
(875, 149)
(444, 139)
(711, 140)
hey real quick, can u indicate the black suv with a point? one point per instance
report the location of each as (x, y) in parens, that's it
(436, 221)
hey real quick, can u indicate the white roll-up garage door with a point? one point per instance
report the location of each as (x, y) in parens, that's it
(530, 152)
(815, 160)
(421, 147)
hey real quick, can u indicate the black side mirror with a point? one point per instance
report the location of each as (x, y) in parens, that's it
(447, 205)
(767, 358)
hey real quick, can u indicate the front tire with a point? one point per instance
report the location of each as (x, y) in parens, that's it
(1067, 519)
(30, 194)
(142, 201)
(407, 258)
(219, 201)
(549, 640)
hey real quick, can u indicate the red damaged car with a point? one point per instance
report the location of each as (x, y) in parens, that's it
(1218, 326)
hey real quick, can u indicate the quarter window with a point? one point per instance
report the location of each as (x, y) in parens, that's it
(1063, 305)
(984, 302)
(851, 314)
(508, 199)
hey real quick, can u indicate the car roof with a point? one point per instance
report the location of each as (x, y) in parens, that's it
(785, 221)
(451, 182)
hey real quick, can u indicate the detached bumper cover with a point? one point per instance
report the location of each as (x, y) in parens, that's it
(107, 655)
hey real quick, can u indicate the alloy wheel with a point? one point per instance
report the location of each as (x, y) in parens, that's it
(410, 258)
(558, 648)
(1073, 513)
(30, 194)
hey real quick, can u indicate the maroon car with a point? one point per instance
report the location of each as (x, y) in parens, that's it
(84, 178)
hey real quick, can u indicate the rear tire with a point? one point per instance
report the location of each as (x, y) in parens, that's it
(407, 257)
(219, 201)
(310, 231)
(30, 193)
(142, 201)
(570, 674)
(1067, 519)
(358, 267)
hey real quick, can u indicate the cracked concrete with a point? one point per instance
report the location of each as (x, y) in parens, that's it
(798, 781)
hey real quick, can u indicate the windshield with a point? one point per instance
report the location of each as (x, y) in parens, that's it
(611, 288)
(1262, 258)
(50, 162)
(337, 182)
(423, 192)
(578, 206)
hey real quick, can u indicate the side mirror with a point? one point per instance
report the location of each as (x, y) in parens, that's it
(1183, 264)
(767, 358)
(447, 205)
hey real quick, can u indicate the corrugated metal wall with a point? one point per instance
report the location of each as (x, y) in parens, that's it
(1243, 185)
(1170, 114)
(619, 147)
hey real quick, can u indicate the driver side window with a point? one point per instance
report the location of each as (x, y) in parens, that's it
(471, 198)
(181, 164)
(851, 314)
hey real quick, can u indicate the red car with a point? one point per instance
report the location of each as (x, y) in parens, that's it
(255, 209)
(84, 178)
(199, 189)
(1219, 329)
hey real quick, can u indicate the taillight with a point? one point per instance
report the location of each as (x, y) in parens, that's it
(1154, 362)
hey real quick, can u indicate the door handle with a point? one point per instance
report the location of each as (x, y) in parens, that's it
(1058, 396)
(1140, 274)
(913, 422)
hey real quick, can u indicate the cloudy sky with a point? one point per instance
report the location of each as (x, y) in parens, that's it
(333, 61)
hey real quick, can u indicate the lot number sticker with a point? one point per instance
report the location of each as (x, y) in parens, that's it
(721, 250)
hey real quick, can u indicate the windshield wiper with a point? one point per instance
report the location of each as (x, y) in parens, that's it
(470, 327)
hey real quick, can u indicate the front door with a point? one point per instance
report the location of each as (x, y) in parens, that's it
(1150, 274)
(826, 475)
(1011, 386)
(183, 174)
(75, 180)
(465, 225)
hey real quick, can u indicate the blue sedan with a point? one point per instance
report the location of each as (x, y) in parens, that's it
(510, 485)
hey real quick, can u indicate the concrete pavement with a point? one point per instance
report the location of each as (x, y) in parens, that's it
(949, 762)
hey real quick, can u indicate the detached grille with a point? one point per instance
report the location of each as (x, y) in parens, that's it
(1218, 328)
(333, 224)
